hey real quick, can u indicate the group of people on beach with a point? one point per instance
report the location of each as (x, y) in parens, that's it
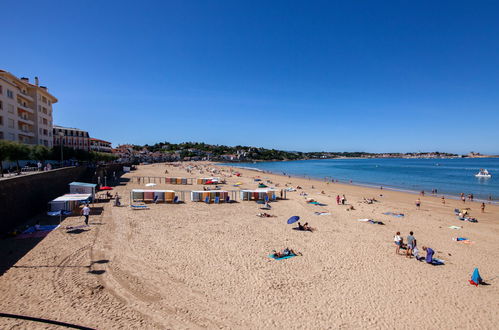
(411, 247)
(341, 200)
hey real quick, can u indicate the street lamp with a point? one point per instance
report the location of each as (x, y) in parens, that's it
(61, 135)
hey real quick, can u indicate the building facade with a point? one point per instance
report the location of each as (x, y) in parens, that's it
(71, 138)
(25, 111)
(100, 146)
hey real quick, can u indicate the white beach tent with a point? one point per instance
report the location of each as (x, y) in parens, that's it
(82, 188)
(69, 202)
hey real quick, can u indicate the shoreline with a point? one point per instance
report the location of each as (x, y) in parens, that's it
(361, 184)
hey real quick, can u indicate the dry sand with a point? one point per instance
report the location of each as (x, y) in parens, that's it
(194, 265)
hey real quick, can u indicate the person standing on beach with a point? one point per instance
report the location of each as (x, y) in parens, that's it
(86, 213)
(398, 242)
(411, 244)
(338, 199)
(418, 203)
(483, 207)
(443, 200)
(343, 200)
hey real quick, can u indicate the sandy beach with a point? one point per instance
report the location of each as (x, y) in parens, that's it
(193, 265)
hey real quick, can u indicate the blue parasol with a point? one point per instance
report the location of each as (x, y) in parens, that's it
(293, 219)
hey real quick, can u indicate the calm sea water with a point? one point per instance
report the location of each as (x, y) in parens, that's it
(449, 176)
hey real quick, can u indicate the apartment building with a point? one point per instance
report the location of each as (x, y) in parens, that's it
(25, 110)
(74, 138)
(100, 145)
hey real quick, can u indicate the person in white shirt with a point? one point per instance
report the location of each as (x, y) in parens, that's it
(398, 242)
(86, 213)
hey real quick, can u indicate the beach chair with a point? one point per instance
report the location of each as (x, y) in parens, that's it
(217, 200)
(207, 200)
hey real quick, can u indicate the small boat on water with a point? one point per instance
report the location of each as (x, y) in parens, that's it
(483, 173)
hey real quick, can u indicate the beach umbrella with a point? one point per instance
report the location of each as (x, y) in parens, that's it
(150, 184)
(106, 188)
(293, 219)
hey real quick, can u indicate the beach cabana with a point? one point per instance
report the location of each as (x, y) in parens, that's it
(209, 181)
(258, 194)
(201, 195)
(151, 195)
(69, 202)
(82, 188)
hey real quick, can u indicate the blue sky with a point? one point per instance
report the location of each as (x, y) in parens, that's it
(296, 75)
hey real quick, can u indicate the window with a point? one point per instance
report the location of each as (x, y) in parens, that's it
(45, 132)
(1, 105)
(11, 123)
(39, 108)
(10, 94)
(12, 137)
(44, 110)
(1, 89)
(10, 108)
(44, 99)
(1, 134)
(45, 122)
(1, 120)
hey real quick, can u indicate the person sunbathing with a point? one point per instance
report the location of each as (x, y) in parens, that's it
(265, 215)
(305, 227)
(285, 253)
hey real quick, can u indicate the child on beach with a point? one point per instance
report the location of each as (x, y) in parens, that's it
(418, 203)
(398, 242)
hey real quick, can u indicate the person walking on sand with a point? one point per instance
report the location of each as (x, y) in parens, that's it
(418, 203)
(483, 207)
(411, 244)
(86, 213)
(338, 199)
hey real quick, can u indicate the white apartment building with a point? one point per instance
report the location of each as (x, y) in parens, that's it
(100, 145)
(71, 138)
(25, 111)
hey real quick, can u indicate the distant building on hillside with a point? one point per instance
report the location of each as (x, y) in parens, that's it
(98, 145)
(74, 138)
(25, 111)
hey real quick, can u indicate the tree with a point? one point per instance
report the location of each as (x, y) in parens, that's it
(40, 153)
(5, 147)
(18, 151)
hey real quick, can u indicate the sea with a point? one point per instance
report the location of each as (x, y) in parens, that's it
(449, 177)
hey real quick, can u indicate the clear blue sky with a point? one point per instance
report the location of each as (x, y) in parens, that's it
(295, 75)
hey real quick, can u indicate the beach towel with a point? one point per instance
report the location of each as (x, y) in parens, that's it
(322, 213)
(454, 227)
(398, 215)
(42, 231)
(437, 262)
(139, 207)
(281, 258)
(476, 278)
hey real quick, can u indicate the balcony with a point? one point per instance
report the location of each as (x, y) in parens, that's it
(26, 132)
(26, 119)
(22, 107)
(25, 96)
